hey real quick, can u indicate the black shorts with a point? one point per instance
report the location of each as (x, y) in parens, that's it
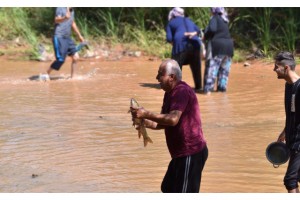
(292, 175)
(184, 174)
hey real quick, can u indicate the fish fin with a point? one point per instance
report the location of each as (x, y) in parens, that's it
(146, 140)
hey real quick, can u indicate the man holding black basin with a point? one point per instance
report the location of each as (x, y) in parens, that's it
(285, 68)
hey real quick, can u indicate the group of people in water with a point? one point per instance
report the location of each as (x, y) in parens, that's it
(187, 44)
(181, 120)
(180, 114)
(187, 40)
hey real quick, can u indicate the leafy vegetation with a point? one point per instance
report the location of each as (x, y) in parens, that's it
(265, 29)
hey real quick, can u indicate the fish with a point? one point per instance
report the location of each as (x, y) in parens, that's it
(140, 122)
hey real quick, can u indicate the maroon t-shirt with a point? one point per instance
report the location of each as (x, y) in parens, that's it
(186, 138)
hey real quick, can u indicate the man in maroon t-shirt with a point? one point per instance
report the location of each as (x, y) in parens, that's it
(180, 117)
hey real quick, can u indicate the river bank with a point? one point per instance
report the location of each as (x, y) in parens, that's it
(19, 50)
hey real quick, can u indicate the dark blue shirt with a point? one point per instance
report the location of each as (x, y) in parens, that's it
(175, 34)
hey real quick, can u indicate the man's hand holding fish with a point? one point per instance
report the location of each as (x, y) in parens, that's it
(139, 123)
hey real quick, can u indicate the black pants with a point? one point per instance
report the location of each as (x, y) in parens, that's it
(193, 58)
(292, 176)
(184, 174)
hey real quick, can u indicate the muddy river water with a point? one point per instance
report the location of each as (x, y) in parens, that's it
(76, 135)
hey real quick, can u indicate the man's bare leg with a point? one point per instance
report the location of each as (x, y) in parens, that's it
(49, 70)
(73, 65)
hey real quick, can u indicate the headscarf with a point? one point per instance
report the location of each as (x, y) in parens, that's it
(176, 12)
(220, 11)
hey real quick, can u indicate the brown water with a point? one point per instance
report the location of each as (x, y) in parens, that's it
(76, 135)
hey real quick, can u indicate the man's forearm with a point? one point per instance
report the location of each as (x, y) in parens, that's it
(60, 19)
(170, 119)
(76, 30)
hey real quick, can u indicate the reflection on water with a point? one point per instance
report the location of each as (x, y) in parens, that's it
(76, 135)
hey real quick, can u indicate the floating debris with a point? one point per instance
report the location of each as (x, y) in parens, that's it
(34, 175)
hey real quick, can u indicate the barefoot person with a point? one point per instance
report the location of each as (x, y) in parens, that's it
(285, 68)
(62, 41)
(180, 118)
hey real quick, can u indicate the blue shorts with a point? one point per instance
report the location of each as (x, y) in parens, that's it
(62, 48)
(292, 176)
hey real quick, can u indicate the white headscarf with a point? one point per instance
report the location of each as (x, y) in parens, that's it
(220, 11)
(176, 12)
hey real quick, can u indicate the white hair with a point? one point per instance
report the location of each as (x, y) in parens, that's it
(172, 67)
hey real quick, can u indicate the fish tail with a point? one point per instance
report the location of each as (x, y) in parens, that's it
(146, 136)
(146, 140)
(149, 140)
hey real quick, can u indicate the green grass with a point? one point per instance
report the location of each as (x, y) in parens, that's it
(268, 29)
(15, 23)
